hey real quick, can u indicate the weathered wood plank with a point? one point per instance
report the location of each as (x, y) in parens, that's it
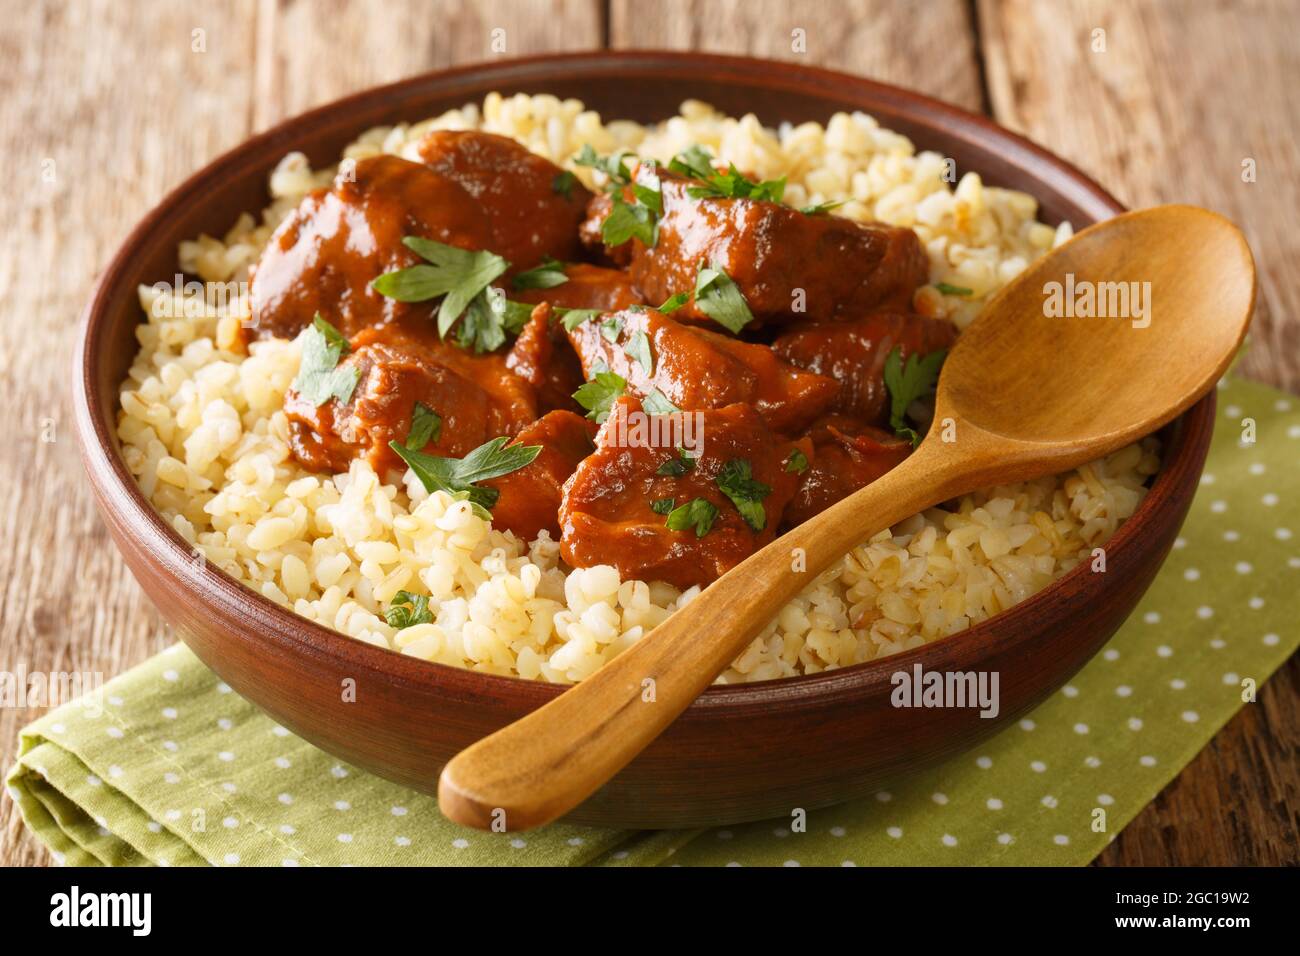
(1166, 105)
(106, 107)
(307, 55)
(1178, 98)
(926, 45)
(118, 103)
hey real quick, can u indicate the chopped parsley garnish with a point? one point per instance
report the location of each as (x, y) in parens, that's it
(638, 350)
(907, 383)
(629, 221)
(598, 395)
(572, 318)
(407, 610)
(733, 184)
(426, 426)
(562, 184)
(459, 275)
(488, 318)
(736, 481)
(676, 467)
(679, 466)
(694, 162)
(797, 463)
(647, 188)
(698, 513)
(611, 328)
(947, 289)
(319, 377)
(457, 476)
(611, 165)
(546, 276)
(638, 219)
(675, 302)
(661, 506)
(821, 208)
(656, 403)
(720, 299)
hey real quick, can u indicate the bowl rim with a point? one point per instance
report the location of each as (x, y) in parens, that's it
(120, 495)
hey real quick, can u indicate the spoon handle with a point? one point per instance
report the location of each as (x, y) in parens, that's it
(542, 766)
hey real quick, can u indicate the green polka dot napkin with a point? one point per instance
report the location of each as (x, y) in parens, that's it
(171, 767)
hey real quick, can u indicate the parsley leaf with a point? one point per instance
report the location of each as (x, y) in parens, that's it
(720, 299)
(733, 184)
(797, 463)
(457, 274)
(822, 208)
(698, 513)
(647, 188)
(656, 403)
(457, 476)
(694, 162)
(319, 377)
(611, 328)
(675, 302)
(947, 289)
(426, 426)
(676, 467)
(572, 318)
(407, 610)
(627, 221)
(638, 350)
(736, 481)
(907, 383)
(661, 506)
(488, 318)
(562, 184)
(598, 395)
(611, 165)
(546, 276)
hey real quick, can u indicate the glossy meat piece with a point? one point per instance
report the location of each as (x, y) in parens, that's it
(770, 250)
(543, 357)
(589, 287)
(606, 517)
(530, 497)
(698, 369)
(477, 397)
(324, 255)
(847, 455)
(853, 353)
(515, 189)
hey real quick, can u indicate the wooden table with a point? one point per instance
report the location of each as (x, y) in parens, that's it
(107, 105)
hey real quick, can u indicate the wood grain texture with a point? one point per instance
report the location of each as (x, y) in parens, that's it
(67, 601)
(927, 46)
(1185, 92)
(304, 58)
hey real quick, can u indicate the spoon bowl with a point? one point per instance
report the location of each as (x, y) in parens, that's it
(1108, 337)
(1039, 383)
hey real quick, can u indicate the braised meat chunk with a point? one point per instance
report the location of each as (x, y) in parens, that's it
(585, 286)
(533, 208)
(323, 257)
(472, 399)
(788, 265)
(659, 514)
(543, 357)
(847, 455)
(530, 497)
(698, 369)
(853, 353)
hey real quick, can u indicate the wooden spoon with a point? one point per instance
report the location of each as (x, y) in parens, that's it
(1026, 392)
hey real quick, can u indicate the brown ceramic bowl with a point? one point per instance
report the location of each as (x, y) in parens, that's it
(741, 752)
